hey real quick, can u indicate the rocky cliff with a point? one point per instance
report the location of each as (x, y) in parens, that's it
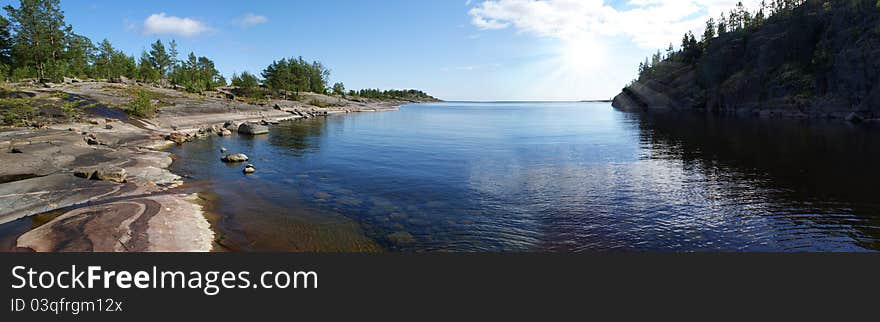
(821, 59)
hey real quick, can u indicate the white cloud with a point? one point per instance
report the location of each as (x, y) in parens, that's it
(647, 23)
(161, 23)
(250, 19)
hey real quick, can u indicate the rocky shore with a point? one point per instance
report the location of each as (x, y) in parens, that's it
(819, 60)
(107, 172)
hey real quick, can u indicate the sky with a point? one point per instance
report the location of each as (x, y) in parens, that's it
(483, 50)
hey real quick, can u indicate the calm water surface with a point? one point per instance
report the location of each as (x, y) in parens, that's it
(542, 177)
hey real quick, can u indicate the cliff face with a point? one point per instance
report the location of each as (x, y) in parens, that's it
(820, 60)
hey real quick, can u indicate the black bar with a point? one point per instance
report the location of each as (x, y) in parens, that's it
(455, 286)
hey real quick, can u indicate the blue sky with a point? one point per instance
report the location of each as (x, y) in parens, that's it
(453, 49)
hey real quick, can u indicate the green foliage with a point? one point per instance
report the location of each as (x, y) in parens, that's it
(5, 44)
(5, 71)
(141, 104)
(246, 81)
(36, 42)
(248, 85)
(394, 94)
(160, 58)
(738, 22)
(296, 75)
(16, 111)
(22, 72)
(42, 39)
(72, 107)
(196, 74)
(318, 103)
(110, 63)
(145, 71)
(339, 89)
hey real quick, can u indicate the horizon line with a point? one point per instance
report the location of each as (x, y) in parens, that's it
(529, 101)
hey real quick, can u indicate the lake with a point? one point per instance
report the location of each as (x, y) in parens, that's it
(511, 177)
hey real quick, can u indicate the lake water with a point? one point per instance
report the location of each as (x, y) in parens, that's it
(542, 177)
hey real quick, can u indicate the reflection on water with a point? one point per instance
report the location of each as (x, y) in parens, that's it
(542, 177)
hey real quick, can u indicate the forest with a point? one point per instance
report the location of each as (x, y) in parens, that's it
(785, 58)
(37, 43)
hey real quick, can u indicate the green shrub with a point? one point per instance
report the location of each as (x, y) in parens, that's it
(23, 72)
(141, 104)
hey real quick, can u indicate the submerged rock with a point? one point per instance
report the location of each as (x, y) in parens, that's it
(235, 157)
(401, 237)
(322, 195)
(252, 129)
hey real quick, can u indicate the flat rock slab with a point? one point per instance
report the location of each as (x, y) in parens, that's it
(38, 195)
(164, 223)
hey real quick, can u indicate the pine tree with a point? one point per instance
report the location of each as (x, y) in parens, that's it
(40, 33)
(710, 30)
(5, 43)
(159, 58)
(339, 89)
(146, 71)
(78, 55)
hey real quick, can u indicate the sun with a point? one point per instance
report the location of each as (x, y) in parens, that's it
(581, 55)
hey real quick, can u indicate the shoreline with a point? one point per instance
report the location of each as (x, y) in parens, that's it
(140, 209)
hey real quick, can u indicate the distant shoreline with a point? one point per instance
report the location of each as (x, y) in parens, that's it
(580, 101)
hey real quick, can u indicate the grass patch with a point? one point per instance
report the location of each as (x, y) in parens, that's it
(17, 111)
(320, 103)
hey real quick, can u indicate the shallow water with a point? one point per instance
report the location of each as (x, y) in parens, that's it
(542, 177)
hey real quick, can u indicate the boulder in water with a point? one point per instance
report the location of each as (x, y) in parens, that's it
(252, 129)
(401, 238)
(177, 137)
(235, 157)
